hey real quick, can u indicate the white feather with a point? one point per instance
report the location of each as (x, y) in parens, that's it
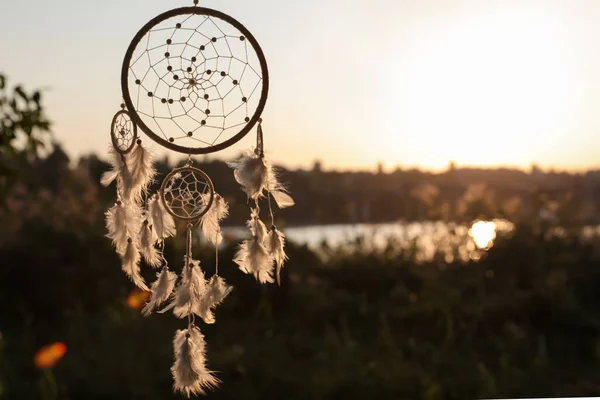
(131, 264)
(108, 177)
(149, 252)
(275, 247)
(252, 172)
(116, 224)
(135, 216)
(196, 287)
(219, 210)
(138, 173)
(116, 163)
(282, 199)
(252, 258)
(161, 290)
(216, 292)
(256, 226)
(255, 174)
(189, 370)
(162, 222)
(278, 190)
(185, 369)
(122, 222)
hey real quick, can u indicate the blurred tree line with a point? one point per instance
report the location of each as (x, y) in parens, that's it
(353, 322)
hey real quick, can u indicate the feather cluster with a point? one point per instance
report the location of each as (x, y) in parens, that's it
(266, 247)
(135, 232)
(133, 172)
(256, 174)
(211, 228)
(216, 291)
(253, 258)
(190, 374)
(161, 290)
(195, 295)
(189, 292)
(252, 172)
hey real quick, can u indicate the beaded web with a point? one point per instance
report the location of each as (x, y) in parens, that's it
(195, 80)
(187, 193)
(123, 132)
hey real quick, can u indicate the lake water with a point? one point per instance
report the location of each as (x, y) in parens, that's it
(428, 236)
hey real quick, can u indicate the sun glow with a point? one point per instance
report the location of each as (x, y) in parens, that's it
(486, 90)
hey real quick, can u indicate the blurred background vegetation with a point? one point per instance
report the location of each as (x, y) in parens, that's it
(517, 317)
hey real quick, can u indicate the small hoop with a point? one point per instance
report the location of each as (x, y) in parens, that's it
(181, 195)
(123, 132)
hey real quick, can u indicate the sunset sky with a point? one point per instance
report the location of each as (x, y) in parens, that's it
(409, 83)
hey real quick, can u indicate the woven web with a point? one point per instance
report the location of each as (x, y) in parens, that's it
(187, 194)
(195, 80)
(122, 132)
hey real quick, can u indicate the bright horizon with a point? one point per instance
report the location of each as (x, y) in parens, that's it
(505, 83)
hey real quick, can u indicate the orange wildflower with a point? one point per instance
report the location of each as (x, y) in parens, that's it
(49, 355)
(137, 298)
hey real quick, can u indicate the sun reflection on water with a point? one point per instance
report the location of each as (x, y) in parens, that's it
(483, 233)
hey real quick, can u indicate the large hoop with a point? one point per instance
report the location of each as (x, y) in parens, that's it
(247, 122)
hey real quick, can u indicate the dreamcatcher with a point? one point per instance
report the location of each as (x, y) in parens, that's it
(195, 81)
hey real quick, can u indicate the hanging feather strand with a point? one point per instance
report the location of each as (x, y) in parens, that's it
(162, 222)
(189, 370)
(116, 162)
(135, 215)
(161, 290)
(219, 210)
(131, 264)
(275, 247)
(116, 224)
(256, 226)
(149, 252)
(138, 173)
(140, 166)
(217, 290)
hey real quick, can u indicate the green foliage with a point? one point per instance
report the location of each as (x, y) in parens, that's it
(24, 129)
